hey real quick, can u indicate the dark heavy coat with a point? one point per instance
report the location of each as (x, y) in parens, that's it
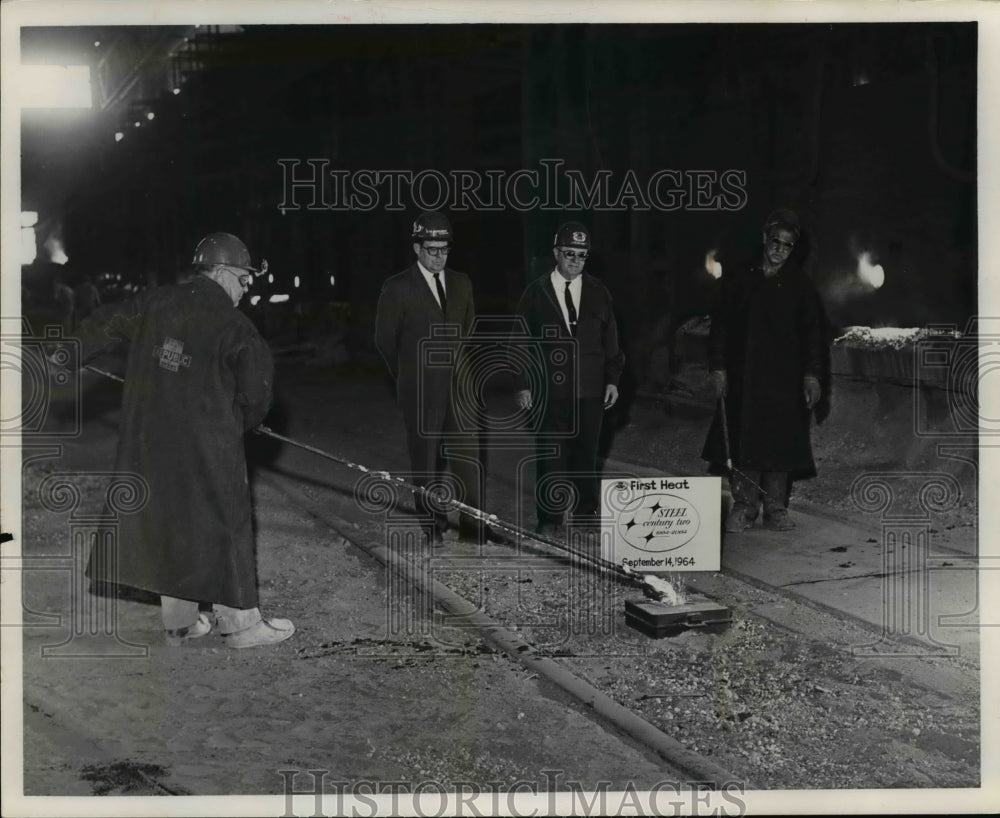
(198, 376)
(405, 324)
(767, 334)
(598, 359)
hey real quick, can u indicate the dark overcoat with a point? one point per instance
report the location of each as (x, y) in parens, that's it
(408, 328)
(198, 376)
(767, 334)
(594, 358)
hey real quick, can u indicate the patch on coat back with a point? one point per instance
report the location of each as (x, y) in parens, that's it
(171, 355)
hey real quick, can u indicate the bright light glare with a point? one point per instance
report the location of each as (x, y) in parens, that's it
(54, 247)
(254, 300)
(871, 274)
(278, 298)
(713, 267)
(119, 136)
(55, 86)
(28, 250)
(270, 278)
(29, 218)
(296, 282)
(332, 281)
(150, 115)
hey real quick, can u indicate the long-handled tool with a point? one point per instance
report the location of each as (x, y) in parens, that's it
(651, 586)
(729, 457)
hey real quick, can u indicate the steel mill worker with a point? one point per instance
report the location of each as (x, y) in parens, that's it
(766, 354)
(198, 376)
(569, 309)
(415, 309)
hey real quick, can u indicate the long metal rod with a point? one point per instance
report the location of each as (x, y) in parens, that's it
(729, 456)
(490, 519)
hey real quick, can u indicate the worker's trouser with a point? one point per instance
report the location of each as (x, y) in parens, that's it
(183, 613)
(748, 496)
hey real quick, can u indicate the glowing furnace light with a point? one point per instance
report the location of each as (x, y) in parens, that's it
(29, 248)
(871, 274)
(55, 86)
(278, 298)
(29, 252)
(54, 247)
(713, 267)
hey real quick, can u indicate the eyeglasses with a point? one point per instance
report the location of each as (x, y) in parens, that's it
(572, 255)
(245, 278)
(783, 245)
(436, 251)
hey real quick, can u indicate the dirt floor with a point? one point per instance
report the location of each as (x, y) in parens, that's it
(371, 688)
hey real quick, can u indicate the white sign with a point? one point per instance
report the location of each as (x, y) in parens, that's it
(663, 523)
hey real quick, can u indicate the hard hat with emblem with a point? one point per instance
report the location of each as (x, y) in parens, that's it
(572, 234)
(225, 248)
(432, 225)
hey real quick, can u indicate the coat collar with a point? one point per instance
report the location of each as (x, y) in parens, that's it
(212, 290)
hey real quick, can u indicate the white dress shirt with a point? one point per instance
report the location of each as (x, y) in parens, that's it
(429, 278)
(575, 290)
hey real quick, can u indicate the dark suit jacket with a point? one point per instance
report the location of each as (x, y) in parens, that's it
(594, 358)
(406, 316)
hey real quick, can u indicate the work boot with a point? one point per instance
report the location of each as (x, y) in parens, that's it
(778, 520)
(775, 485)
(265, 632)
(433, 535)
(739, 519)
(176, 638)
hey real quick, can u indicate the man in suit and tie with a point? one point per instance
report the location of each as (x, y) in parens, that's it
(568, 305)
(429, 302)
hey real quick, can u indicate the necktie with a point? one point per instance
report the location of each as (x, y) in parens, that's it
(440, 289)
(571, 310)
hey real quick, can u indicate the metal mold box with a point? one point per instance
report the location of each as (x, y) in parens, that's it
(660, 619)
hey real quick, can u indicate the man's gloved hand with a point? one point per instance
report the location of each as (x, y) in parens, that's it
(719, 383)
(812, 391)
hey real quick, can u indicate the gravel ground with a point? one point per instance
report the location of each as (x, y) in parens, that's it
(781, 707)
(778, 709)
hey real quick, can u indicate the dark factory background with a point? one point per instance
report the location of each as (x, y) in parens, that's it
(869, 130)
